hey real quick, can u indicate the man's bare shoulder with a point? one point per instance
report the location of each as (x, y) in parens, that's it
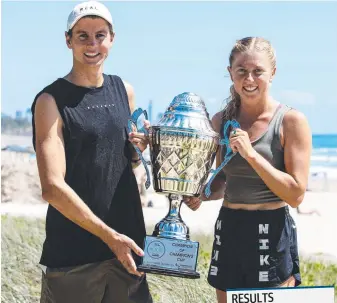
(45, 102)
(131, 95)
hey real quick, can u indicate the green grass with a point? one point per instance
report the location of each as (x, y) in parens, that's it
(21, 246)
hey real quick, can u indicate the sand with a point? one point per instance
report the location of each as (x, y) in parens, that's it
(21, 196)
(20, 181)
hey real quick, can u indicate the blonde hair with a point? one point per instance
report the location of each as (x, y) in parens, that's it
(243, 45)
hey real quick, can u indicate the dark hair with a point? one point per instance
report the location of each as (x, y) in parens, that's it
(241, 46)
(70, 32)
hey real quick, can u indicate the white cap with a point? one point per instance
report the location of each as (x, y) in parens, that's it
(88, 8)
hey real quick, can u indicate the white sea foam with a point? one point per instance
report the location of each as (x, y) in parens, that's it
(324, 158)
(323, 172)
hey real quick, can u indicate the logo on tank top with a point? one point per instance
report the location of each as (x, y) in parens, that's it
(100, 106)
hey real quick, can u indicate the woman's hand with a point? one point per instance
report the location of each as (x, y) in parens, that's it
(239, 142)
(192, 202)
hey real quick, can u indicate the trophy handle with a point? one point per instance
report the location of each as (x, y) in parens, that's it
(229, 154)
(132, 124)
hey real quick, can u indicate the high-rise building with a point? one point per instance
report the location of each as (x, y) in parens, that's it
(28, 114)
(18, 114)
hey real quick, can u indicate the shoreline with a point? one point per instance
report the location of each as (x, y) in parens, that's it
(316, 232)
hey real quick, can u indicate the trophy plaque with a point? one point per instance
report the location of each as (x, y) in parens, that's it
(182, 146)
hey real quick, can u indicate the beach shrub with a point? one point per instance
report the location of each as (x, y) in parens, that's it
(22, 240)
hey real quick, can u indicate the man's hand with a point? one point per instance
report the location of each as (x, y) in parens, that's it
(140, 139)
(192, 202)
(122, 246)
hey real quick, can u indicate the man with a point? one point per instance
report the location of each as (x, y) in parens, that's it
(94, 226)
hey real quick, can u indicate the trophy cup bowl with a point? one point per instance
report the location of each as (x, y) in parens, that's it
(182, 146)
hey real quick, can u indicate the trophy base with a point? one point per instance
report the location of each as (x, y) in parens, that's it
(170, 257)
(169, 272)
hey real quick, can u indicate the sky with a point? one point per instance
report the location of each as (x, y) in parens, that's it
(166, 48)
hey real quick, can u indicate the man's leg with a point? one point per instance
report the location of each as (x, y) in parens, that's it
(80, 284)
(123, 287)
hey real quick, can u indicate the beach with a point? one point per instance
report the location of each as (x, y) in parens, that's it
(316, 226)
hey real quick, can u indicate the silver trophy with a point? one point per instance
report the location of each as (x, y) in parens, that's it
(182, 146)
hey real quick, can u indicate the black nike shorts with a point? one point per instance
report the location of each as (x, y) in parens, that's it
(254, 249)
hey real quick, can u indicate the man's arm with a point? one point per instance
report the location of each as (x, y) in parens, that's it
(50, 155)
(131, 97)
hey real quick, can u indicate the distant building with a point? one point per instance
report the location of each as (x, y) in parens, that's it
(18, 114)
(28, 114)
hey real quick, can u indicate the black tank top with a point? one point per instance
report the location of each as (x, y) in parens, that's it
(98, 169)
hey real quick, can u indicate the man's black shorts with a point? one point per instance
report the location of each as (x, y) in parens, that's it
(254, 249)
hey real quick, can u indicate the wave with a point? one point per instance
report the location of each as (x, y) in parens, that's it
(324, 172)
(324, 150)
(324, 158)
(324, 163)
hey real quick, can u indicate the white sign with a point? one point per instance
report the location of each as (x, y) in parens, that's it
(317, 294)
(170, 253)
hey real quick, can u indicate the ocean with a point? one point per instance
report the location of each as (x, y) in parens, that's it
(324, 156)
(323, 159)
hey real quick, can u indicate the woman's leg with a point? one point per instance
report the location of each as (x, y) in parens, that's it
(221, 296)
(289, 283)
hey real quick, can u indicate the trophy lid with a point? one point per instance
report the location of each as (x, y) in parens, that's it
(187, 111)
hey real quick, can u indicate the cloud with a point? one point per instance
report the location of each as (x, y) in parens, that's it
(296, 97)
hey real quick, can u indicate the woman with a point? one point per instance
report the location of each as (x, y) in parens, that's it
(255, 237)
(94, 225)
